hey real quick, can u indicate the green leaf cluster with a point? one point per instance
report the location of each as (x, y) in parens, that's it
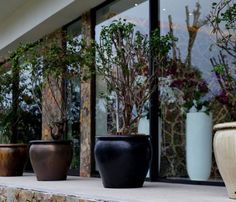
(122, 60)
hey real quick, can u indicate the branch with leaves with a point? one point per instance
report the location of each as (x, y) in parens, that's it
(49, 64)
(122, 60)
(222, 19)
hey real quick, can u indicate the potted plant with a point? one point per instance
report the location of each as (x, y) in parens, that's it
(122, 56)
(48, 65)
(222, 20)
(14, 153)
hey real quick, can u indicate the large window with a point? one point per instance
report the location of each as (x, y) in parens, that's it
(196, 88)
(136, 12)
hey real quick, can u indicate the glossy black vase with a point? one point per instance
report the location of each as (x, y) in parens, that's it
(123, 161)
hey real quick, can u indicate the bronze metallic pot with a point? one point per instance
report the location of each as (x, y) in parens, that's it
(51, 159)
(13, 158)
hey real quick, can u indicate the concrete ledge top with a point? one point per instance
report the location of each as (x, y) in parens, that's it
(92, 189)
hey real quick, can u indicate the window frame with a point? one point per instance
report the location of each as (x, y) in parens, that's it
(154, 22)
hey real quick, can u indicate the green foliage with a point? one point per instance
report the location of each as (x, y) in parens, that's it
(122, 59)
(30, 67)
(197, 103)
(55, 61)
(226, 13)
(222, 19)
(20, 121)
(219, 69)
(161, 44)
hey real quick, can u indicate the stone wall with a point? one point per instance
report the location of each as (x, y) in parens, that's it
(85, 112)
(8, 194)
(173, 152)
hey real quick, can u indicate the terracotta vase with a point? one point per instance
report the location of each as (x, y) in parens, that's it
(225, 154)
(51, 159)
(13, 158)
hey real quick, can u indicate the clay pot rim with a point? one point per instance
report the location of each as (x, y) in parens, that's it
(123, 137)
(226, 125)
(14, 145)
(51, 142)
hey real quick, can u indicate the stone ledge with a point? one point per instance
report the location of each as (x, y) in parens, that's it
(78, 189)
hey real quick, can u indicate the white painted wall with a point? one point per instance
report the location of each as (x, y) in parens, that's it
(36, 18)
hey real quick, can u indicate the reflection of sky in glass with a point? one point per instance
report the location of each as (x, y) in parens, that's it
(177, 10)
(137, 15)
(201, 52)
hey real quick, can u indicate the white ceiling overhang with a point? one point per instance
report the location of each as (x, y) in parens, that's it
(30, 20)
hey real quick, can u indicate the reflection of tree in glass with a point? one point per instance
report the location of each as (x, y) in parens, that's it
(222, 19)
(189, 89)
(20, 117)
(186, 77)
(54, 60)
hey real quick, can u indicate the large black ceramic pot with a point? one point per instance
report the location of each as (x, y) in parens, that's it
(13, 158)
(123, 161)
(51, 159)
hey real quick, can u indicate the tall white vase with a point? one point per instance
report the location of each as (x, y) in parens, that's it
(225, 154)
(198, 145)
(143, 126)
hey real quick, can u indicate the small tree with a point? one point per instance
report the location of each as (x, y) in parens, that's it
(50, 64)
(122, 60)
(20, 120)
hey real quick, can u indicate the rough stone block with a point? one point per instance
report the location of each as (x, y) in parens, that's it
(58, 198)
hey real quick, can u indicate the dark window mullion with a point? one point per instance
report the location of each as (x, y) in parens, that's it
(154, 23)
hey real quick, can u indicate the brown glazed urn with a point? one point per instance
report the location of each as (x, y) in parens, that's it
(13, 159)
(51, 159)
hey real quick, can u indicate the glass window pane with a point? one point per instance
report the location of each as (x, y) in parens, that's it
(73, 103)
(136, 12)
(193, 94)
